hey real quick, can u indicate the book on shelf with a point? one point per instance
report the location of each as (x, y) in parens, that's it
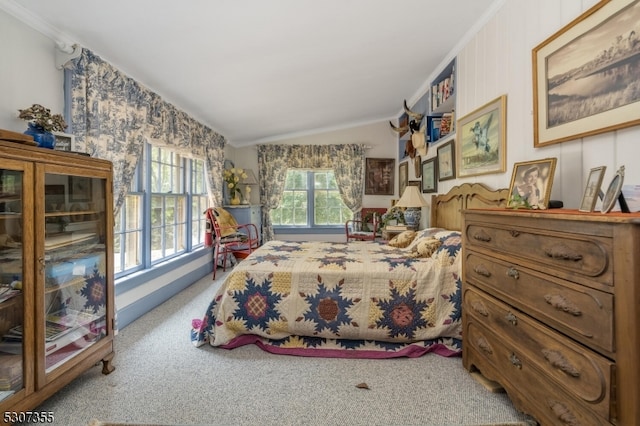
(7, 293)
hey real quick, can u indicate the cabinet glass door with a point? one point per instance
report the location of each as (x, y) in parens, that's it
(75, 262)
(11, 276)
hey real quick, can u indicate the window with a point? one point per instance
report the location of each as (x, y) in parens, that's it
(311, 199)
(162, 216)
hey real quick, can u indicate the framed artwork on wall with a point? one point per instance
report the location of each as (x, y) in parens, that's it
(379, 176)
(531, 183)
(403, 177)
(446, 161)
(582, 75)
(429, 169)
(482, 143)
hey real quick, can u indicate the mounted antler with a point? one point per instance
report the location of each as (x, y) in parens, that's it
(400, 130)
(417, 117)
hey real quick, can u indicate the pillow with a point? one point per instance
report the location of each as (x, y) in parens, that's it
(403, 239)
(428, 232)
(425, 247)
(226, 221)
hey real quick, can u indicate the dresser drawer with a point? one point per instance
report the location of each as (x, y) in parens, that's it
(581, 312)
(581, 373)
(542, 398)
(585, 259)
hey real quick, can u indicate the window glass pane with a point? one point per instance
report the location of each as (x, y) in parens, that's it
(327, 207)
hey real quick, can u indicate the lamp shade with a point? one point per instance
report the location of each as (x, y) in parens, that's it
(411, 198)
(250, 179)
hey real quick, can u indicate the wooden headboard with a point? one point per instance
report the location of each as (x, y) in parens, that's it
(446, 209)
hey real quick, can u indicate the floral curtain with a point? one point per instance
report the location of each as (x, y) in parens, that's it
(346, 161)
(112, 116)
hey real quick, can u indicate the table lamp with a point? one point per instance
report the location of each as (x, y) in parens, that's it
(413, 202)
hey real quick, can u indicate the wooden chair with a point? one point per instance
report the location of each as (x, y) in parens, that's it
(368, 227)
(228, 238)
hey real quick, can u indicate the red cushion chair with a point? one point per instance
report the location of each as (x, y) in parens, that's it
(366, 229)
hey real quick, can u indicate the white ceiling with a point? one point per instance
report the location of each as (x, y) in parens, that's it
(262, 70)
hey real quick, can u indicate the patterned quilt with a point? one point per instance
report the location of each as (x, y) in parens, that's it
(355, 300)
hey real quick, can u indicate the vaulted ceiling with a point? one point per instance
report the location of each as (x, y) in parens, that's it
(262, 70)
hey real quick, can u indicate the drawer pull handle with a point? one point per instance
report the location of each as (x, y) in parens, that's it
(515, 360)
(562, 304)
(562, 413)
(482, 236)
(562, 252)
(480, 308)
(511, 318)
(485, 346)
(482, 270)
(514, 233)
(513, 273)
(557, 360)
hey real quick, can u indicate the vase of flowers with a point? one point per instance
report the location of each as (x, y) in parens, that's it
(41, 123)
(232, 178)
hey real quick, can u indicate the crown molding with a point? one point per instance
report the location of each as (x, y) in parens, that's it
(37, 23)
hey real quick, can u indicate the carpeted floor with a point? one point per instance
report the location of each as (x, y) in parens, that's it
(162, 379)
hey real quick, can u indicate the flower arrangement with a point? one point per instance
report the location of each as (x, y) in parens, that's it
(232, 178)
(42, 118)
(394, 213)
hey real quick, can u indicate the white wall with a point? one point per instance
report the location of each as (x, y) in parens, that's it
(28, 74)
(495, 61)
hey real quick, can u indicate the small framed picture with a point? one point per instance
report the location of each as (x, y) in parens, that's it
(446, 162)
(79, 188)
(592, 189)
(429, 169)
(403, 177)
(64, 142)
(531, 184)
(613, 192)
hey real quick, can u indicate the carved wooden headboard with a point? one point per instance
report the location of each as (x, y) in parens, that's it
(446, 209)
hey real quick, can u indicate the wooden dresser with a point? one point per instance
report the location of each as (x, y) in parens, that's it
(551, 310)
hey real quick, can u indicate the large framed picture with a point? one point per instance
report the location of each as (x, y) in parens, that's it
(531, 183)
(446, 161)
(429, 170)
(583, 72)
(482, 142)
(592, 189)
(403, 177)
(380, 173)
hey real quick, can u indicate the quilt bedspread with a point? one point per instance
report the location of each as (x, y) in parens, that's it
(361, 299)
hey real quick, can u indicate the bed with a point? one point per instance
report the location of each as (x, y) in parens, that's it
(350, 300)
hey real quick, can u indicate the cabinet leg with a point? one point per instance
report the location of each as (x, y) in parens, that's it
(107, 366)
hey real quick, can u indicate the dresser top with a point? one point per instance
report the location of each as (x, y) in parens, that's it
(563, 214)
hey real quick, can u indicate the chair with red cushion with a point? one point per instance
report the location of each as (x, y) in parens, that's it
(367, 228)
(228, 238)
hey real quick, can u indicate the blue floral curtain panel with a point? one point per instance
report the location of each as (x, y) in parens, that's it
(346, 161)
(113, 116)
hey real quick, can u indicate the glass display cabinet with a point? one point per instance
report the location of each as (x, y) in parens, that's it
(56, 271)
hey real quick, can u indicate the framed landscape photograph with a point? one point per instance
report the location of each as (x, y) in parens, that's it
(592, 189)
(531, 183)
(583, 72)
(429, 182)
(446, 161)
(380, 174)
(482, 141)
